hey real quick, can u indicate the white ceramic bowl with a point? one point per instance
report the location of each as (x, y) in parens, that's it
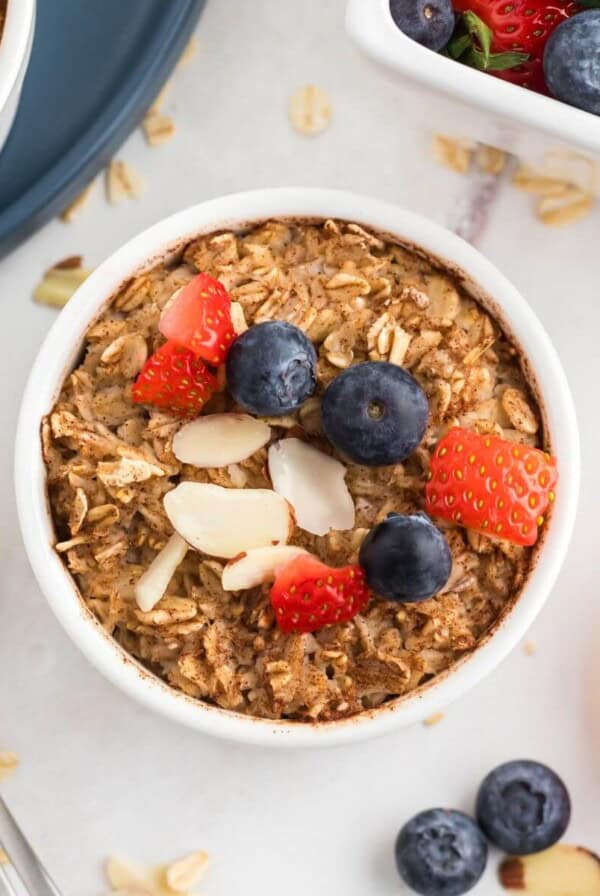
(454, 99)
(58, 355)
(15, 49)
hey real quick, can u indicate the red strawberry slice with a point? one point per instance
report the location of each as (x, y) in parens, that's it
(497, 487)
(199, 318)
(172, 378)
(507, 37)
(308, 594)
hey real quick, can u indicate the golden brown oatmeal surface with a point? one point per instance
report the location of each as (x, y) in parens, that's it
(110, 463)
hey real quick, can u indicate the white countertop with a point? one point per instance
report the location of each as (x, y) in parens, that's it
(100, 774)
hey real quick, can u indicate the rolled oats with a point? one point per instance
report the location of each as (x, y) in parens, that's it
(9, 762)
(184, 874)
(453, 153)
(310, 110)
(158, 128)
(78, 204)
(110, 464)
(571, 206)
(122, 182)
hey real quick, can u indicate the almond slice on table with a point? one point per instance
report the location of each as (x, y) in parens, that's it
(256, 566)
(151, 586)
(559, 871)
(218, 440)
(314, 485)
(225, 522)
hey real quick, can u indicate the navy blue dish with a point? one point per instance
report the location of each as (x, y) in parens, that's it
(96, 66)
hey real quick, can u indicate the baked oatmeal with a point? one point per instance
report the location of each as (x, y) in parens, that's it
(2, 16)
(365, 303)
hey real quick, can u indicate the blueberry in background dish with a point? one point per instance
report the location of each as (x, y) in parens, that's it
(441, 852)
(429, 22)
(523, 807)
(572, 61)
(375, 413)
(271, 369)
(406, 558)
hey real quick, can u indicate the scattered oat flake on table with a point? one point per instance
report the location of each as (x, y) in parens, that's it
(189, 53)
(76, 206)
(434, 719)
(453, 153)
(175, 879)
(564, 210)
(530, 647)
(310, 110)
(158, 128)
(489, 159)
(8, 764)
(528, 180)
(122, 182)
(60, 282)
(4, 860)
(184, 874)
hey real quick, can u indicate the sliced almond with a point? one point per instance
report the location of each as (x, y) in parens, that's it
(259, 565)
(314, 485)
(559, 871)
(220, 439)
(60, 283)
(154, 582)
(225, 522)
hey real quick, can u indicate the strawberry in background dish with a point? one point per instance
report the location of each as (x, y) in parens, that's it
(506, 38)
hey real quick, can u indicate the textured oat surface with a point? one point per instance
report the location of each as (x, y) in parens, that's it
(110, 464)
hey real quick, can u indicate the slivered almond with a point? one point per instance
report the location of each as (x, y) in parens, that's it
(225, 522)
(220, 439)
(559, 871)
(256, 566)
(314, 485)
(154, 582)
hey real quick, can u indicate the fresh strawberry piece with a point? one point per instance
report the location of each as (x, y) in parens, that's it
(172, 378)
(499, 488)
(199, 318)
(507, 37)
(308, 594)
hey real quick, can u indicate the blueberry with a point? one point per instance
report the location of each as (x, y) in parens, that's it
(523, 807)
(441, 852)
(572, 61)
(429, 22)
(375, 413)
(406, 558)
(271, 369)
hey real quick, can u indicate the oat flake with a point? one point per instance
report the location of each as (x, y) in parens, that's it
(310, 110)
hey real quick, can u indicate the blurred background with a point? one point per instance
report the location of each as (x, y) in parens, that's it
(98, 774)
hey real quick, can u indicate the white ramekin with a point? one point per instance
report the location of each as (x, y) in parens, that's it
(59, 353)
(15, 49)
(454, 99)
